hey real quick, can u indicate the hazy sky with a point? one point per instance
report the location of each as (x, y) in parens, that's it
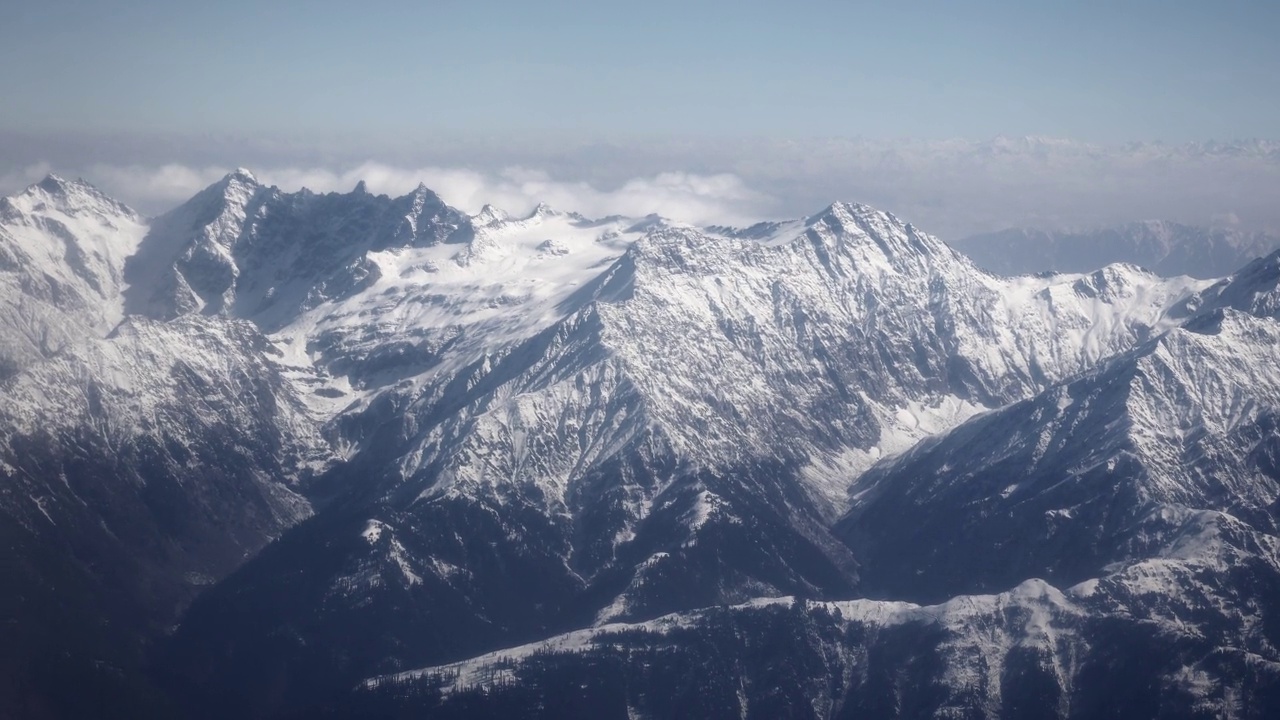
(704, 111)
(1173, 70)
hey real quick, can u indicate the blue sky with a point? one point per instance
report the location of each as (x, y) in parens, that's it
(702, 110)
(1107, 72)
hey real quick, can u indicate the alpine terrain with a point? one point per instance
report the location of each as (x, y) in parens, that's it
(280, 454)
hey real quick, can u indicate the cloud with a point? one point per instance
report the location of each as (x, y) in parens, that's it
(959, 187)
(21, 177)
(698, 199)
(951, 188)
(1226, 219)
(149, 187)
(687, 197)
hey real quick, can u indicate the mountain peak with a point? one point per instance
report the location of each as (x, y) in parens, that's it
(242, 175)
(876, 236)
(53, 184)
(1254, 289)
(57, 186)
(489, 215)
(68, 196)
(423, 194)
(237, 185)
(844, 213)
(543, 210)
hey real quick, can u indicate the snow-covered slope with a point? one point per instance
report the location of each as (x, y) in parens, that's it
(1254, 289)
(1082, 475)
(839, 335)
(135, 471)
(1177, 636)
(430, 310)
(171, 384)
(1145, 491)
(1166, 248)
(191, 410)
(849, 338)
(63, 246)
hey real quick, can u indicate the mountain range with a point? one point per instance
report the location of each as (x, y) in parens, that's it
(292, 454)
(1166, 248)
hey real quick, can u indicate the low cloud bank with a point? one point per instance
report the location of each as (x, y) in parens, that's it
(950, 188)
(687, 197)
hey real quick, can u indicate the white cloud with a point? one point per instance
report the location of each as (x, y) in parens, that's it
(699, 199)
(149, 187)
(19, 178)
(1226, 219)
(951, 188)
(687, 197)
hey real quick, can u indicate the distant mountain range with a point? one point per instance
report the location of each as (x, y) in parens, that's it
(292, 454)
(1166, 248)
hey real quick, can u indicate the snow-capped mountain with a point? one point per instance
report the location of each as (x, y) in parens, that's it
(63, 245)
(501, 429)
(1090, 473)
(1103, 648)
(612, 481)
(244, 250)
(136, 471)
(1254, 289)
(1167, 248)
(1145, 491)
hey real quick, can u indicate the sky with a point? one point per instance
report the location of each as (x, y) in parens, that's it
(602, 94)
